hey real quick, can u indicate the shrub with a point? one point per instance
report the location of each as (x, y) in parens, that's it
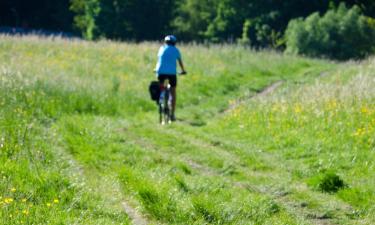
(327, 182)
(331, 182)
(341, 34)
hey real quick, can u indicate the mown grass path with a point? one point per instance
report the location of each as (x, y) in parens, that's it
(240, 166)
(264, 92)
(276, 179)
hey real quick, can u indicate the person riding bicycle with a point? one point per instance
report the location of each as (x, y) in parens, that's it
(166, 67)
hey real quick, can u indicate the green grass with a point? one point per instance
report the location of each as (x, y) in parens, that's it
(79, 137)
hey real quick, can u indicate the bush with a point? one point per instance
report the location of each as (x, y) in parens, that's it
(328, 182)
(331, 182)
(340, 34)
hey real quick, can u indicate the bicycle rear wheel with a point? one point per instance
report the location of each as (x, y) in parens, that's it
(165, 108)
(168, 107)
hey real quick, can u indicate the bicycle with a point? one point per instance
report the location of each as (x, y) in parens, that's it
(165, 102)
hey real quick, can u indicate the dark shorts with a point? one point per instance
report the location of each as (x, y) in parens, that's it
(172, 79)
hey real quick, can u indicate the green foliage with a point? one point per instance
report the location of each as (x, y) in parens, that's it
(331, 182)
(341, 34)
(86, 13)
(328, 182)
(260, 23)
(192, 18)
(124, 19)
(181, 183)
(245, 39)
(227, 23)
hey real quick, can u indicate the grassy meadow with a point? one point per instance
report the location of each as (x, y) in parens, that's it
(80, 141)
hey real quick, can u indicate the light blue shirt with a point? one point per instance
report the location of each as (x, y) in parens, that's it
(167, 60)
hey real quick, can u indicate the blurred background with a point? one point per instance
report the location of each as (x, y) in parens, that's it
(334, 29)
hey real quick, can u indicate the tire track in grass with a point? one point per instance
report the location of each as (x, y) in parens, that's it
(212, 172)
(264, 92)
(281, 196)
(134, 215)
(268, 90)
(234, 156)
(188, 152)
(139, 140)
(313, 215)
(274, 191)
(107, 186)
(207, 146)
(136, 138)
(202, 169)
(111, 189)
(92, 183)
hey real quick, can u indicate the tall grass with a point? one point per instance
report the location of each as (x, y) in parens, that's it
(79, 136)
(318, 128)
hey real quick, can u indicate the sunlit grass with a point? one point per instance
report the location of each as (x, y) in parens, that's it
(79, 136)
(317, 128)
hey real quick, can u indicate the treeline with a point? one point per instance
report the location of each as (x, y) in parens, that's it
(53, 15)
(257, 23)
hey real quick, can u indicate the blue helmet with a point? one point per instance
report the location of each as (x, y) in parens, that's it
(170, 39)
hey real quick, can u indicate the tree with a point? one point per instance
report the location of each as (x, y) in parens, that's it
(263, 20)
(37, 14)
(124, 19)
(86, 14)
(193, 17)
(341, 33)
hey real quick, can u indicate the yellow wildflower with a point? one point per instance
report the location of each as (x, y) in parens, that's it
(26, 212)
(24, 200)
(13, 190)
(332, 104)
(55, 201)
(8, 200)
(275, 107)
(48, 204)
(297, 109)
(359, 132)
(364, 110)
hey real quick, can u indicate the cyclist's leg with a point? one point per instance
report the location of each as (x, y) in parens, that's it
(174, 97)
(173, 83)
(162, 78)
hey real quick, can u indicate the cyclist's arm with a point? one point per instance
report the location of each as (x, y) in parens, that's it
(181, 65)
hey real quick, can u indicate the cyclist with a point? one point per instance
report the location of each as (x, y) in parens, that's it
(166, 68)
